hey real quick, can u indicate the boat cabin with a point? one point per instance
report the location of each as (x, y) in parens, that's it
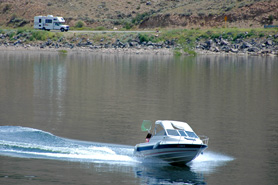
(173, 128)
(171, 131)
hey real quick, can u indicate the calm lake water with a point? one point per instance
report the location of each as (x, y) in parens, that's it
(74, 119)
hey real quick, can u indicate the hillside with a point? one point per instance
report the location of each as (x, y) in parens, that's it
(142, 13)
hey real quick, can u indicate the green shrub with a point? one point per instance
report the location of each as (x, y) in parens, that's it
(140, 17)
(6, 8)
(100, 28)
(128, 25)
(21, 30)
(177, 53)
(261, 35)
(43, 35)
(11, 34)
(146, 38)
(79, 24)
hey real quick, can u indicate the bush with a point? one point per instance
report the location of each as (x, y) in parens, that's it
(11, 34)
(270, 19)
(128, 25)
(145, 38)
(42, 35)
(100, 28)
(22, 30)
(79, 24)
(140, 17)
(6, 8)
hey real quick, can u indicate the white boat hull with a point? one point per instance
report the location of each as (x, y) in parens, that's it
(175, 154)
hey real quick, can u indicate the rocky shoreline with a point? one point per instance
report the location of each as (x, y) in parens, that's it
(260, 46)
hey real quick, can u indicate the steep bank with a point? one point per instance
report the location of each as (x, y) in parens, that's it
(256, 14)
(143, 14)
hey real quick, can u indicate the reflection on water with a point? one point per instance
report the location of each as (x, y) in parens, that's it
(104, 98)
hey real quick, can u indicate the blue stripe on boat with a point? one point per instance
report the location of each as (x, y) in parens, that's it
(171, 146)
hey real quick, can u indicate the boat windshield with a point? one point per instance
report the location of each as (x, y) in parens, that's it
(191, 134)
(159, 131)
(182, 133)
(172, 132)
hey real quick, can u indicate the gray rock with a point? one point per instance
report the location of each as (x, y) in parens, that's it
(245, 45)
(225, 48)
(89, 43)
(149, 43)
(253, 49)
(133, 44)
(214, 49)
(266, 51)
(269, 42)
(48, 42)
(234, 50)
(209, 44)
(224, 42)
(17, 42)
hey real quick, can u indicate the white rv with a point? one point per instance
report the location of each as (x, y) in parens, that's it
(50, 23)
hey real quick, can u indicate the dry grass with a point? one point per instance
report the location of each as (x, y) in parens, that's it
(111, 13)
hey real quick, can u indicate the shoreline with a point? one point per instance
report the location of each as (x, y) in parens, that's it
(137, 51)
(161, 51)
(175, 42)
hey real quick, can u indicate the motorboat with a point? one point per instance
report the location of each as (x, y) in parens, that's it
(172, 141)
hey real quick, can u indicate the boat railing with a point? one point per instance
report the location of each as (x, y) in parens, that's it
(204, 139)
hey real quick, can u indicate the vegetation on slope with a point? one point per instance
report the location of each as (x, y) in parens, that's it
(143, 13)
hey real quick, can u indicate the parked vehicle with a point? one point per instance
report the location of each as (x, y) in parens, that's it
(50, 23)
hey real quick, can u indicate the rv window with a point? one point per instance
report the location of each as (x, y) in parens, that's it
(191, 134)
(48, 21)
(40, 20)
(172, 132)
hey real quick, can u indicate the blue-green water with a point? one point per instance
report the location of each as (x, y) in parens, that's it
(74, 119)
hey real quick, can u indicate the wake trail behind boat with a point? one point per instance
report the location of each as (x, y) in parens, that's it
(26, 142)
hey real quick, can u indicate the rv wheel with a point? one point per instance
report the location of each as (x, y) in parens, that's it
(62, 29)
(43, 28)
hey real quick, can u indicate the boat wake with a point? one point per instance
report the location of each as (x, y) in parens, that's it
(208, 162)
(16, 141)
(32, 143)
